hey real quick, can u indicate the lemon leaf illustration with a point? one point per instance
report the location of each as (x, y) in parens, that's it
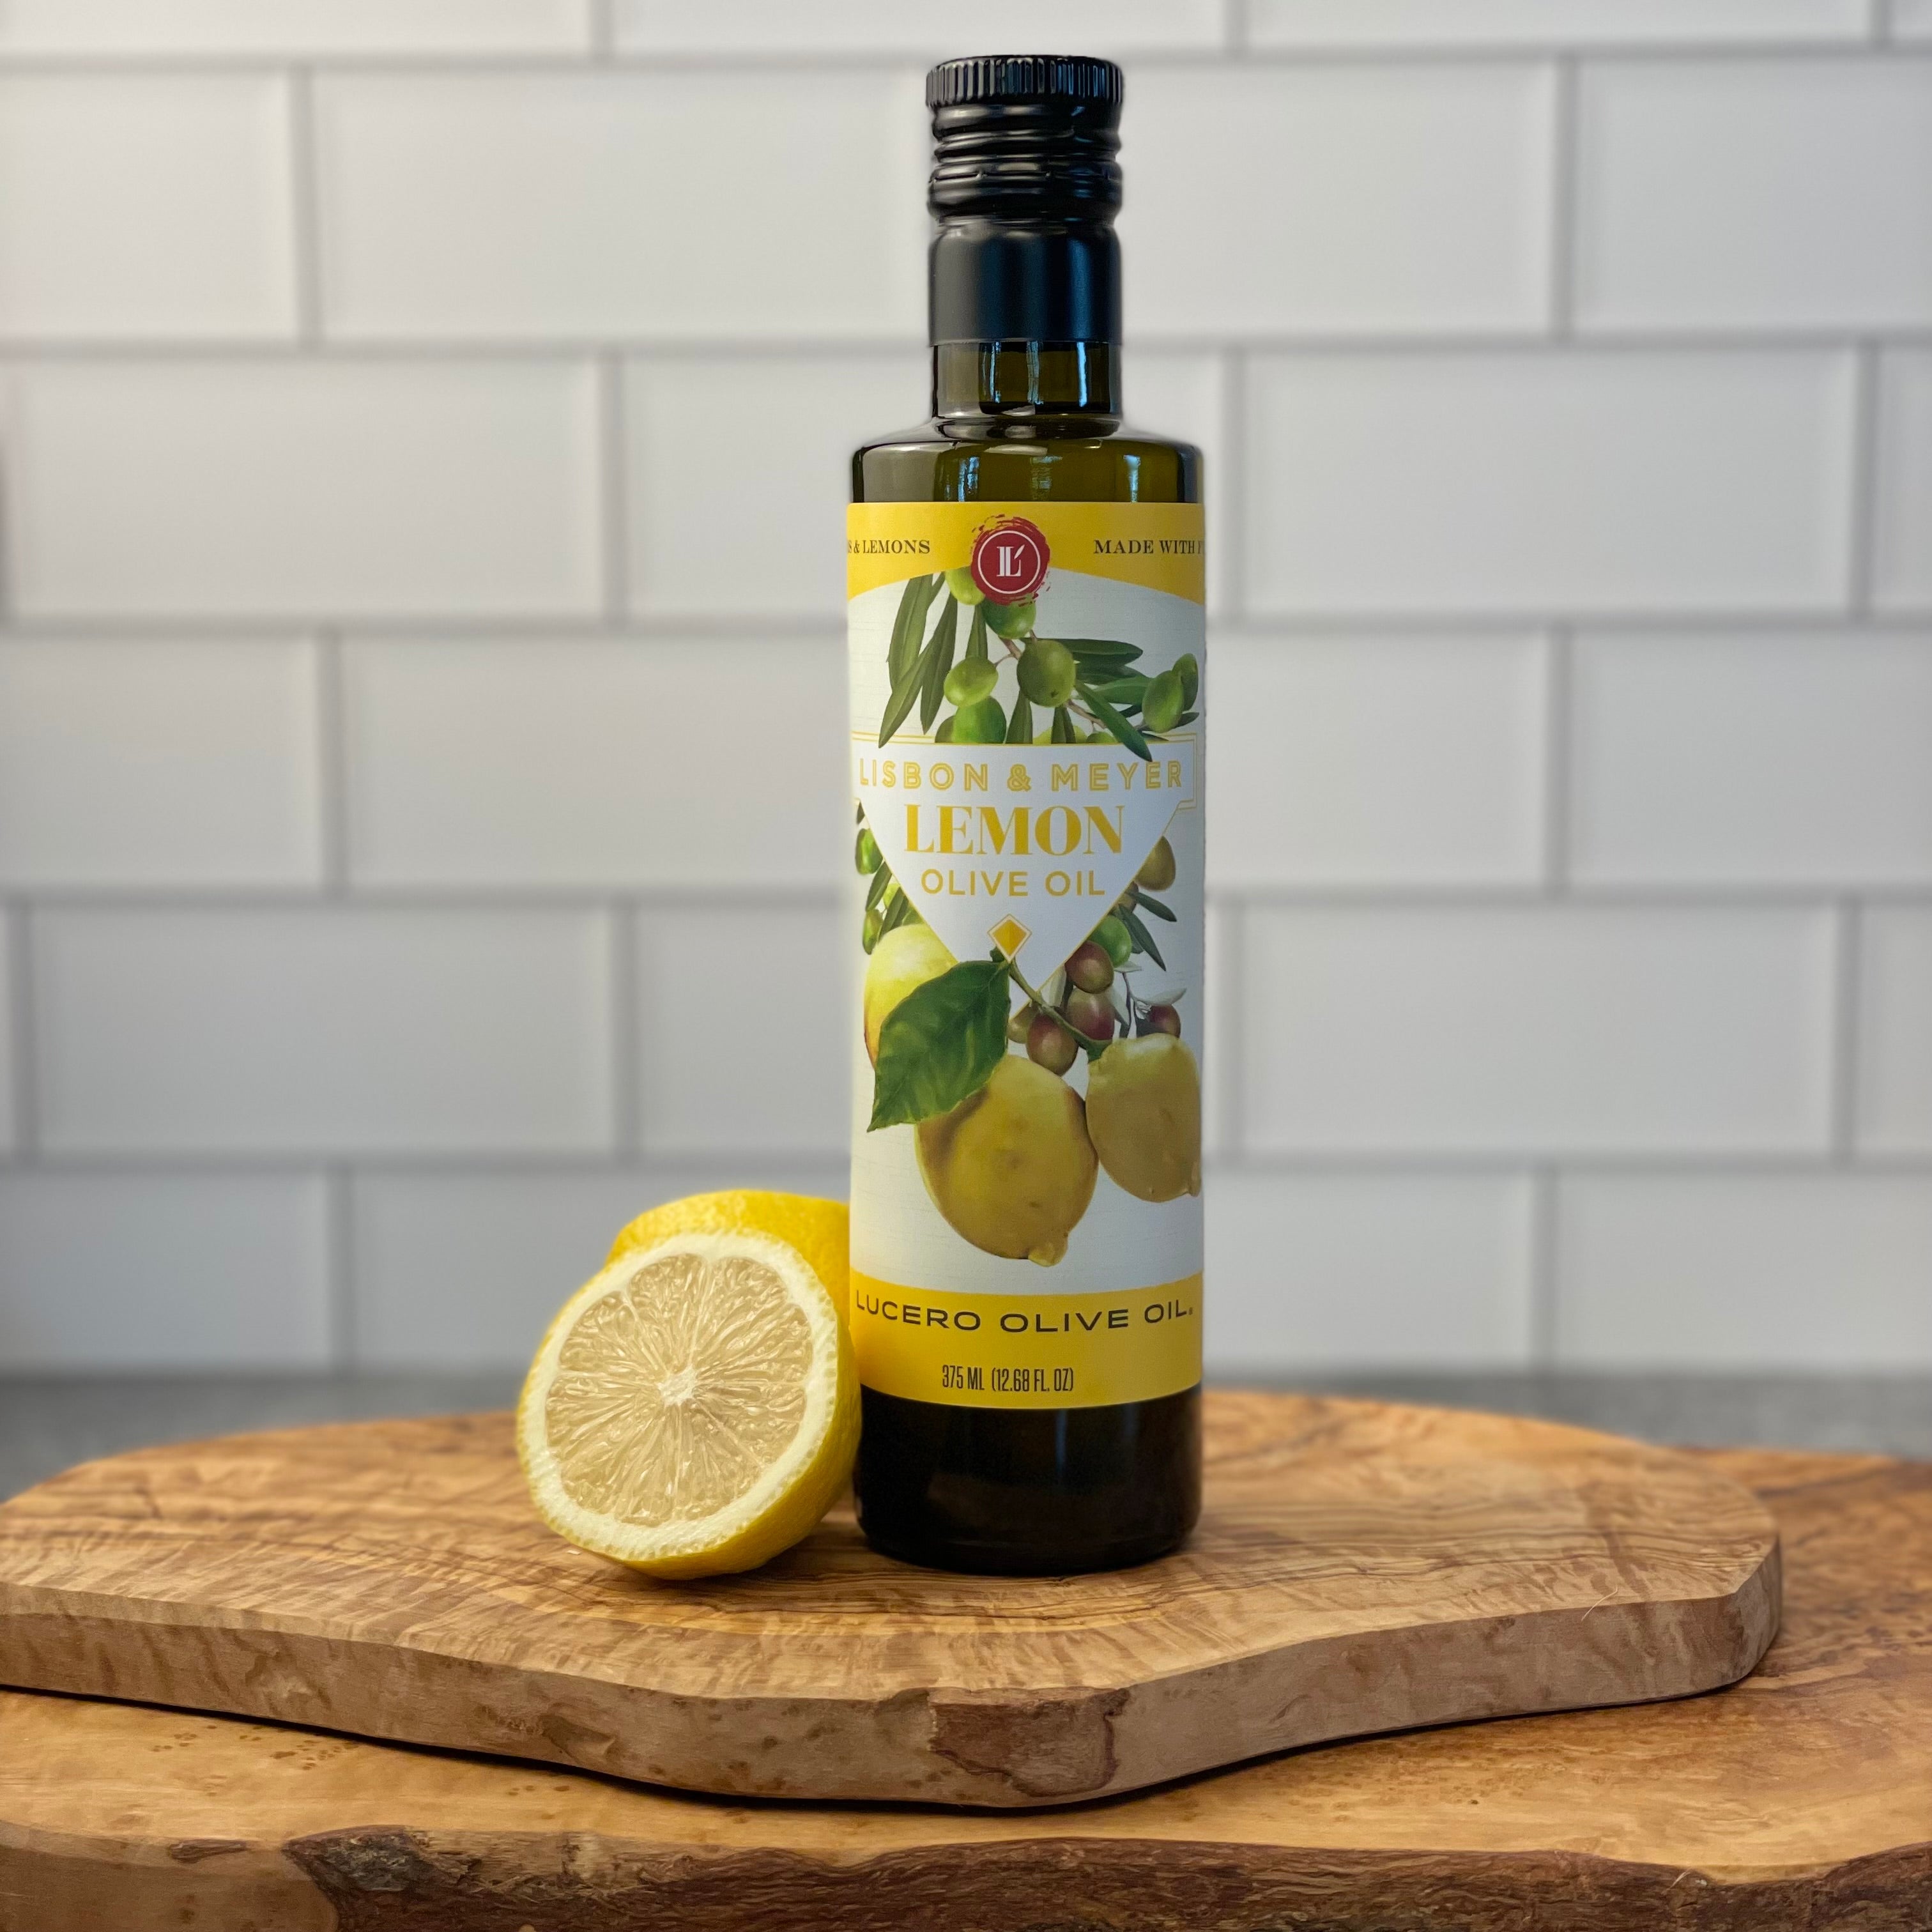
(941, 1043)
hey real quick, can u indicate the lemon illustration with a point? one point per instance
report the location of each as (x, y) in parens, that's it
(1011, 1168)
(907, 957)
(1157, 868)
(1144, 1113)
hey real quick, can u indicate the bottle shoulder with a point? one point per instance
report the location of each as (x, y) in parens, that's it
(947, 462)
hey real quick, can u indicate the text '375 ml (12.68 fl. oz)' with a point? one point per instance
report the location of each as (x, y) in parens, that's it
(1026, 580)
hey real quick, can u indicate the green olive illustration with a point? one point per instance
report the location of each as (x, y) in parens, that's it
(981, 724)
(1046, 672)
(1189, 666)
(1164, 701)
(1010, 620)
(970, 680)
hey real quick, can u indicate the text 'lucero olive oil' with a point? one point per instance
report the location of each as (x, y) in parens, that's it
(1026, 581)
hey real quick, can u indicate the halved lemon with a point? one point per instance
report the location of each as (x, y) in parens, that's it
(820, 1230)
(694, 1407)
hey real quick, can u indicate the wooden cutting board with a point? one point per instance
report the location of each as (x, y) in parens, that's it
(1359, 1567)
(1801, 1801)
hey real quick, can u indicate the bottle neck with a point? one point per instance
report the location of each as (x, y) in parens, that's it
(1025, 315)
(1017, 380)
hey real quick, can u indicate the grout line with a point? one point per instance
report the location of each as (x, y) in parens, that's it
(536, 627)
(1233, 574)
(626, 993)
(1564, 213)
(1230, 997)
(615, 482)
(1559, 758)
(1500, 1163)
(603, 31)
(305, 212)
(551, 62)
(1410, 895)
(1544, 1301)
(1847, 973)
(340, 1237)
(1237, 29)
(750, 627)
(459, 345)
(459, 348)
(464, 896)
(332, 756)
(1867, 431)
(16, 940)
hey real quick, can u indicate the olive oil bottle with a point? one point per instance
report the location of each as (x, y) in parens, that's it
(1026, 580)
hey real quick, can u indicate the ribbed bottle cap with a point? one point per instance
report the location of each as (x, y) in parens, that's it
(1025, 135)
(1023, 77)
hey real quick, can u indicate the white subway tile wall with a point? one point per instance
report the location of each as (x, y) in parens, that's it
(148, 207)
(191, 29)
(167, 1271)
(1554, 25)
(1765, 758)
(1235, 223)
(1368, 760)
(1894, 1083)
(1729, 194)
(456, 1270)
(741, 1033)
(518, 762)
(323, 1028)
(1902, 508)
(1548, 481)
(324, 487)
(572, 205)
(1578, 1029)
(423, 435)
(1825, 1271)
(158, 763)
(689, 425)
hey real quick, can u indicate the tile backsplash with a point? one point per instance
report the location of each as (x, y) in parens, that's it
(414, 416)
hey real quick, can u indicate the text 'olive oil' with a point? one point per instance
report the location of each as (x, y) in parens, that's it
(1026, 581)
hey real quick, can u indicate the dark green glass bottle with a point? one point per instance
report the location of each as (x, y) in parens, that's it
(1026, 410)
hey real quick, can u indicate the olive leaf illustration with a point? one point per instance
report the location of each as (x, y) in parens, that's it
(1107, 691)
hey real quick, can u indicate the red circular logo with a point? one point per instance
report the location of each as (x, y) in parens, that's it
(1010, 560)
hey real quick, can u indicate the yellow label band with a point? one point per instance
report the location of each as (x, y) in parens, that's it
(1027, 1351)
(1160, 545)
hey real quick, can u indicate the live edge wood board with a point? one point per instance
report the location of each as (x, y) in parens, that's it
(1799, 1801)
(1359, 1567)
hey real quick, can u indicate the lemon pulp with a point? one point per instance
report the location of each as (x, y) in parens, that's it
(693, 1409)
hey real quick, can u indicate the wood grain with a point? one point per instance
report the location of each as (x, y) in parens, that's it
(1799, 1801)
(1359, 1567)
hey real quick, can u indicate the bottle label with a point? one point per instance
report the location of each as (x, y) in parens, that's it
(1026, 936)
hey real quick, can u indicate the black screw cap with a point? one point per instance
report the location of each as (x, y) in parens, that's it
(1025, 135)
